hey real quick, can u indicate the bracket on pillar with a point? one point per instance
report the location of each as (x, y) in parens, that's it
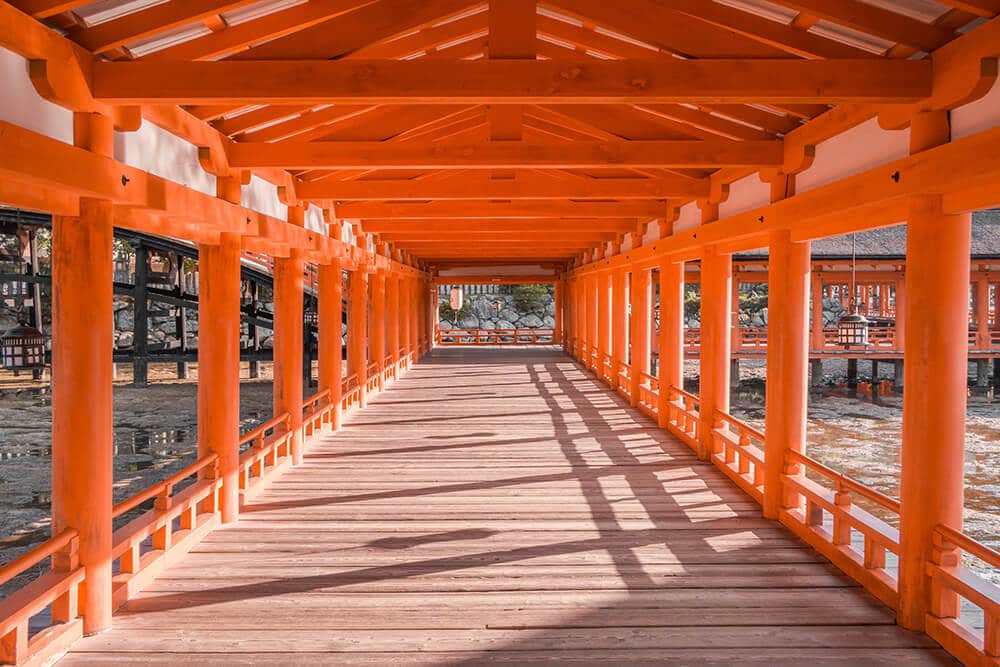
(216, 162)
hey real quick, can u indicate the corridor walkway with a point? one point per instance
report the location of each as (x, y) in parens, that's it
(501, 505)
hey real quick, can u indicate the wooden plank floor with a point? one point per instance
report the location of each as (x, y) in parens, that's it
(501, 505)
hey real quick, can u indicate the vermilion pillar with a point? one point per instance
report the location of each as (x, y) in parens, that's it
(671, 365)
(639, 330)
(82, 337)
(331, 312)
(982, 313)
(716, 306)
(288, 342)
(393, 316)
(592, 320)
(219, 364)
(936, 316)
(376, 330)
(603, 281)
(81, 396)
(357, 333)
(405, 318)
(787, 361)
(619, 316)
(558, 297)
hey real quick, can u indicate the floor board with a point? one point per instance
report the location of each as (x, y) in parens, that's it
(502, 506)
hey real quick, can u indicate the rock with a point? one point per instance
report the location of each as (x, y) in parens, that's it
(125, 320)
(125, 339)
(505, 324)
(530, 322)
(509, 314)
(550, 306)
(548, 322)
(756, 321)
(469, 322)
(487, 324)
(445, 324)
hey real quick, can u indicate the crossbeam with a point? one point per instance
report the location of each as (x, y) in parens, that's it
(364, 155)
(512, 82)
(500, 210)
(480, 186)
(510, 226)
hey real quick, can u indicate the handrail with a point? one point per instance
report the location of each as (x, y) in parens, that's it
(37, 555)
(316, 399)
(984, 553)
(250, 436)
(738, 425)
(164, 486)
(844, 481)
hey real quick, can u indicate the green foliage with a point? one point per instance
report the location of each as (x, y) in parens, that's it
(449, 314)
(753, 298)
(530, 298)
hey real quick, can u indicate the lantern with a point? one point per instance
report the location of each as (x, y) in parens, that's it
(852, 329)
(23, 348)
(455, 298)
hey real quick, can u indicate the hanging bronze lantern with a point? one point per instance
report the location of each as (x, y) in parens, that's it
(23, 348)
(852, 329)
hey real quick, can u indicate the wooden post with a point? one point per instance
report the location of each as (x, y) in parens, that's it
(288, 336)
(376, 330)
(82, 453)
(603, 281)
(219, 364)
(140, 318)
(405, 317)
(393, 316)
(982, 313)
(716, 295)
(83, 338)
(639, 331)
(558, 298)
(936, 316)
(787, 363)
(817, 338)
(671, 366)
(620, 341)
(331, 299)
(357, 333)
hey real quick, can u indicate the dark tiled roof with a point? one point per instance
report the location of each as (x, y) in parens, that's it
(891, 241)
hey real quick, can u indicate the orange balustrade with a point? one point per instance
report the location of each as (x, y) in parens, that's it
(649, 394)
(59, 589)
(685, 413)
(495, 336)
(267, 449)
(197, 508)
(738, 450)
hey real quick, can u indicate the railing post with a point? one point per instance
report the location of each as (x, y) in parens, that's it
(81, 391)
(936, 317)
(670, 369)
(288, 344)
(219, 364)
(639, 331)
(787, 360)
(716, 306)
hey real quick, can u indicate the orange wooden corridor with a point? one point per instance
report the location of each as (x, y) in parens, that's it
(502, 505)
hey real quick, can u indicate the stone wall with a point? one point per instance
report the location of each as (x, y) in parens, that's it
(480, 311)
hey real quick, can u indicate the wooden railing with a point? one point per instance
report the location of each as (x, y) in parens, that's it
(607, 373)
(951, 582)
(738, 450)
(350, 393)
(624, 373)
(267, 446)
(388, 369)
(195, 506)
(57, 590)
(865, 561)
(316, 411)
(374, 374)
(495, 336)
(649, 394)
(684, 418)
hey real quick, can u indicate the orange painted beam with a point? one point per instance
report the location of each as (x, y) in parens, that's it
(511, 225)
(522, 186)
(508, 155)
(588, 81)
(498, 210)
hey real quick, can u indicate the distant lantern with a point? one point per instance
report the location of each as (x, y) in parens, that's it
(23, 348)
(852, 329)
(455, 298)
